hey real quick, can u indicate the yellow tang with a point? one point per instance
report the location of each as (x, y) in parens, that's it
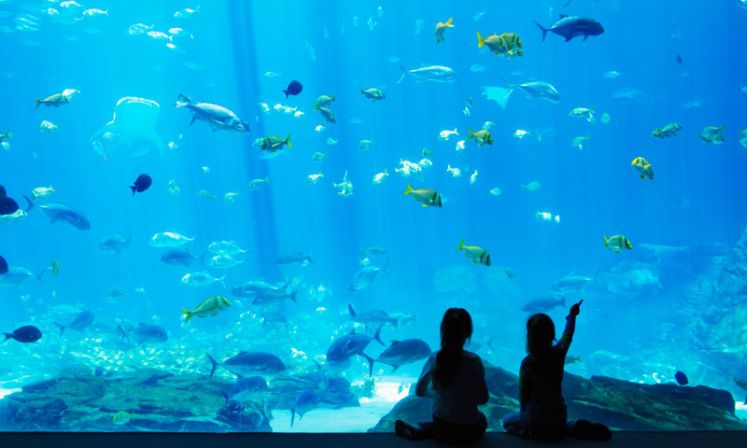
(476, 253)
(211, 306)
(429, 198)
(441, 29)
(617, 243)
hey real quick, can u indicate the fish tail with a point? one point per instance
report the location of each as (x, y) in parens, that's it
(544, 30)
(471, 135)
(480, 41)
(606, 241)
(187, 315)
(402, 76)
(38, 102)
(286, 93)
(449, 23)
(213, 365)
(351, 310)
(293, 296)
(7, 336)
(134, 189)
(288, 141)
(461, 244)
(408, 190)
(61, 327)
(29, 203)
(377, 335)
(293, 416)
(370, 364)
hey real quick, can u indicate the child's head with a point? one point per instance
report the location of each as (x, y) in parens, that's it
(456, 328)
(540, 334)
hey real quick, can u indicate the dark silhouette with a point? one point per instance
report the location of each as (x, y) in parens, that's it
(457, 380)
(543, 413)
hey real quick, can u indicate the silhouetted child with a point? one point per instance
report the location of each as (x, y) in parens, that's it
(543, 412)
(455, 379)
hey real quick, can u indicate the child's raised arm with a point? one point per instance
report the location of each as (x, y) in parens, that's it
(570, 327)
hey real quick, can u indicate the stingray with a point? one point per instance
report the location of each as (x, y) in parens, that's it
(132, 129)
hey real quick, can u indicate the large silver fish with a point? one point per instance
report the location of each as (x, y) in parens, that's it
(218, 117)
(434, 73)
(64, 213)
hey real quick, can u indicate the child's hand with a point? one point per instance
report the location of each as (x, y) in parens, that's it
(576, 308)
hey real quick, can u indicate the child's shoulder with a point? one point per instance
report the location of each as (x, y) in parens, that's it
(472, 356)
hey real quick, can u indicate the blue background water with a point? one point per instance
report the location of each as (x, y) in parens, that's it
(697, 196)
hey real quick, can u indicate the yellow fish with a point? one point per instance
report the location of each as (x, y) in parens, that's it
(441, 29)
(121, 418)
(644, 168)
(617, 243)
(429, 198)
(476, 253)
(508, 44)
(211, 306)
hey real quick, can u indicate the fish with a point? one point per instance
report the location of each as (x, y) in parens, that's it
(404, 352)
(47, 126)
(446, 134)
(26, 334)
(294, 88)
(379, 177)
(644, 168)
(324, 101)
(53, 267)
(681, 378)
(477, 254)
(121, 418)
(269, 297)
(353, 344)
(432, 73)
(249, 363)
(306, 400)
(223, 261)
(57, 99)
(506, 44)
(583, 112)
(301, 258)
(225, 248)
(539, 90)
(315, 177)
(441, 29)
(667, 130)
(253, 288)
(218, 117)
(571, 283)
(273, 143)
(180, 257)
(495, 191)
(373, 317)
(62, 213)
(141, 184)
(259, 182)
(547, 217)
(169, 240)
(3, 265)
(212, 306)
(571, 27)
(143, 333)
(373, 93)
(482, 137)
(327, 114)
(572, 360)
(202, 279)
(617, 243)
(365, 276)
(80, 322)
(713, 134)
(543, 304)
(531, 186)
(365, 144)
(42, 192)
(15, 276)
(428, 197)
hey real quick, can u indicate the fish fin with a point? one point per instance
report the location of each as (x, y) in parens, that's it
(568, 38)
(134, 189)
(544, 30)
(61, 327)
(288, 141)
(213, 365)
(29, 203)
(461, 244)
(490, 343)
(480, 41)
(351, 310)
(606, 241)
(586, 37)
(293, 416)
(182, 100)
(450, 23)
(370, 363)
(187, 315)
(222, 281)
(500, 95)
(394, 369)
(194, 118)
(377, 335)
(409, 189)
(286, 93)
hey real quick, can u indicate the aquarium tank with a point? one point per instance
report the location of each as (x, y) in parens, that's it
(237, 216)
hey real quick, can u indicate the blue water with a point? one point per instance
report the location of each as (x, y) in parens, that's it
(223, 56)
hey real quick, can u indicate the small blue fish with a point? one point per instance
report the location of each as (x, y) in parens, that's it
(26, 335)
(573, 26)
(142, 183)
(3, 265)
(294, 88)
(681, 378)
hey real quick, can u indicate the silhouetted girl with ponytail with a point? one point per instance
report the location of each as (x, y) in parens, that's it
(455, 379)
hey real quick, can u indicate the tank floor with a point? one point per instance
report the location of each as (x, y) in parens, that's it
(693, 439)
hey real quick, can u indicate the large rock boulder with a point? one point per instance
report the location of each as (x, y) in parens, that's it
(620, 404)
